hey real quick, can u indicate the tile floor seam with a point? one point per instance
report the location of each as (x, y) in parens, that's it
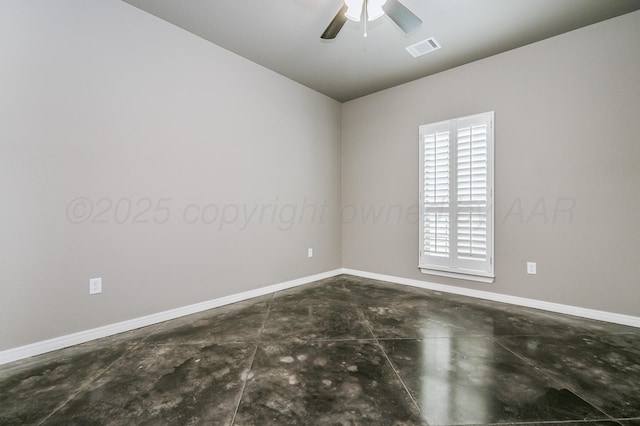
(296, 339)
(552, 369)
(549, 422)
(555, 381)
(85, 385)
(393, 367)
(541, 422)
(253, 359)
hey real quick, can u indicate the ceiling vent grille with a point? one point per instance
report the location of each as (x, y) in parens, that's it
(423, 47)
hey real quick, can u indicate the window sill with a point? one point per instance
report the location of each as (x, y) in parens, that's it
(469, 277)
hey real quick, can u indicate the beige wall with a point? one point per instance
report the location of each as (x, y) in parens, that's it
(106, 105)
(101, 100)
(567, 140)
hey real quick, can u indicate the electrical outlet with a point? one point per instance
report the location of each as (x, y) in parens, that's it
(310, 252)
(95, 285)
(531, 268)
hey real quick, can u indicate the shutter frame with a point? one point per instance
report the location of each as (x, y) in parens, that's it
(469, 236)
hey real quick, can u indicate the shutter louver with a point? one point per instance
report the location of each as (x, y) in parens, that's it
(436, 193)
(472, 191)
(436, 234)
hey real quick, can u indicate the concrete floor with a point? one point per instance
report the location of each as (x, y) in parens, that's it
(342, 351)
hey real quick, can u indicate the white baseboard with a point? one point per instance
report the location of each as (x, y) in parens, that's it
(61, 342)
(49, 345)
(513, 300)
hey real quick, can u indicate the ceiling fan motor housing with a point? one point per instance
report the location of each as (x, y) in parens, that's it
(354, 9)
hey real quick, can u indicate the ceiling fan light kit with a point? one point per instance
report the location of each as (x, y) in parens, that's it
(373, 9)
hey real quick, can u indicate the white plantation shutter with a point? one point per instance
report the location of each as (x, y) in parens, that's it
(436, 192)
(472, 199)
(456, 226)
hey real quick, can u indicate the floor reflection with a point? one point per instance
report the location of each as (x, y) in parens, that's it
(453, 383)
(340, 351)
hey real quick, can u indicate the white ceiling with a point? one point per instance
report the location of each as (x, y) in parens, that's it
(284, 35)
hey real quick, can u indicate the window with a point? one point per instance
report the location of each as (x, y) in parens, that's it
(456, 198)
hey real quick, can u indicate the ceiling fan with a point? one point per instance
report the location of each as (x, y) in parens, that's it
(373, 9)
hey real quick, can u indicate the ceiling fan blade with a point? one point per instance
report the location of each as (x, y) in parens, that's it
(402, 16)
(336, 25)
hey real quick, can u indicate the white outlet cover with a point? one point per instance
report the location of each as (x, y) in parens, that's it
(310, 252)
(531, 268)
(95, 285)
